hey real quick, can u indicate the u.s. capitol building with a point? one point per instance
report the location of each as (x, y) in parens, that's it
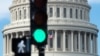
(68, 20)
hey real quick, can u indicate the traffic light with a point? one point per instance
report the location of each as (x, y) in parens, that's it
(38, 21)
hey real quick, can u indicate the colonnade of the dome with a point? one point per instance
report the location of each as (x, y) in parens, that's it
(62, 40)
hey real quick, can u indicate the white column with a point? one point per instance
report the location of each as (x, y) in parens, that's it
(83, 14)
(72, 49)
(68, 12)
(64, 48)
(16, 34)
(74, 13)
(54, 12)
(85, 43)
(22, 16)
(23, 33)
(61, 12)
(11, 15)
(27, 12)
(14, 15)
(88, 15)
(55, 41)
(17, 15)
(48, 11)
(78, 13)
(47, 48)
(33, 48)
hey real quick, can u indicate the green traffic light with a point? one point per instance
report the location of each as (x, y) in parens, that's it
(39, 35)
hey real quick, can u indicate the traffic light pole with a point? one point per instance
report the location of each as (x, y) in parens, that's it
(41, 50)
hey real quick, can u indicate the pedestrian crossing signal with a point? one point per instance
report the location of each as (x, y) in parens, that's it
(21, 46)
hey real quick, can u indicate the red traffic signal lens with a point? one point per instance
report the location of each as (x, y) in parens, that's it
(40, 3)
(40, 18)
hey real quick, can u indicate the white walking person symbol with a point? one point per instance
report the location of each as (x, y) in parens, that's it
(21, 47)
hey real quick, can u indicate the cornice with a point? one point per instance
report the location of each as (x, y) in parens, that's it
(68, 3)
(18, 5)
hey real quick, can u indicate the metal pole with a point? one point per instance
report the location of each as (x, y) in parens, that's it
(41, 50)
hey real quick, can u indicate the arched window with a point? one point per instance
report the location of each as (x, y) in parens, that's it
(64, 12)
(58, 12)
(71, 12)
(51, 12)
(76, 13)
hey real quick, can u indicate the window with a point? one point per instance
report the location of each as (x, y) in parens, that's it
(71, 13)
(76, 13)
(82, 36)
(81, 14)
(24, 13)
(58, 41)
(66, 41)
(58, 12)
(51, 12)
(64, 11)
(20, 14)
(59, 38)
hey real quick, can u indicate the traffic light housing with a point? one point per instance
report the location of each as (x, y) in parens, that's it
(38, 21)
(22, 44)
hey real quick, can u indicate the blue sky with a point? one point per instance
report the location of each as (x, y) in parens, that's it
(5, 18)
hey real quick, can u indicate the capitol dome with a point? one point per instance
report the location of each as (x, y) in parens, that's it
(68, 21)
